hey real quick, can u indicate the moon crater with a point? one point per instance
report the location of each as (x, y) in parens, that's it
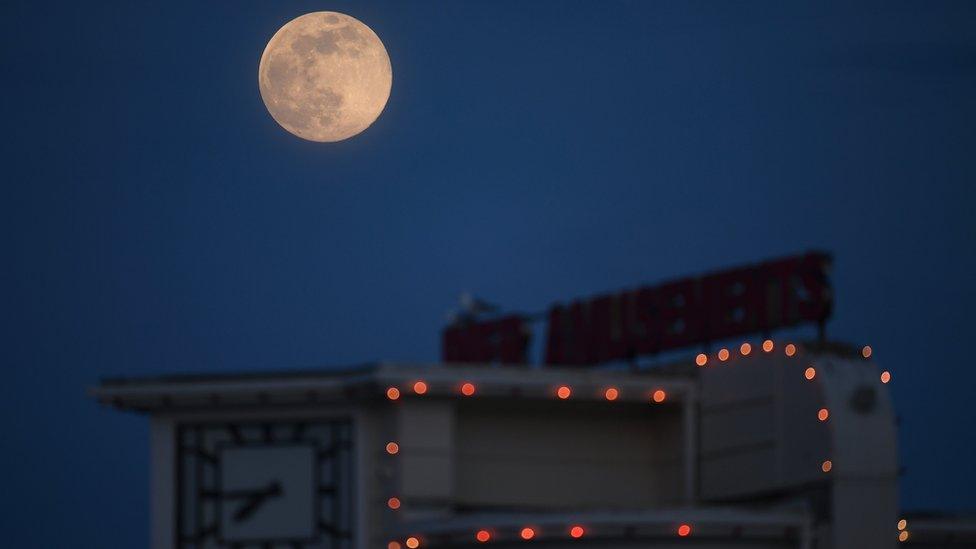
(325, 76)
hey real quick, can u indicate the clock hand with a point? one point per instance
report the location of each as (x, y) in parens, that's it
(255, 500)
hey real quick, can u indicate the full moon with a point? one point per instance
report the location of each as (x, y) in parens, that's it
(325, 76)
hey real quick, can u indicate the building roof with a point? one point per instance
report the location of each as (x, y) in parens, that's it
(370, 381)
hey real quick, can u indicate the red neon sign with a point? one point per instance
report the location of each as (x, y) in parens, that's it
(504, 340)
(682, 313)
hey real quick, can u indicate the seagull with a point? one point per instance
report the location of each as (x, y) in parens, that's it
(470, 308)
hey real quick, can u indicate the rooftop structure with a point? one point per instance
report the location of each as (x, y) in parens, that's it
(769, 444)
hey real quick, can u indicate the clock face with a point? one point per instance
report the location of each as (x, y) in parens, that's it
(264, 485)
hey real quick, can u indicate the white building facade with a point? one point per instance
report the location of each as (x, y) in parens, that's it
(767, 446)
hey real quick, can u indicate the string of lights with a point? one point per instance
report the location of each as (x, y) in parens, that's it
(652, 395)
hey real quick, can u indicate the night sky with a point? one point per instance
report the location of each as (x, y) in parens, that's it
(157, 220)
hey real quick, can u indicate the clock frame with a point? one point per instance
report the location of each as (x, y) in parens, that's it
(200, 498)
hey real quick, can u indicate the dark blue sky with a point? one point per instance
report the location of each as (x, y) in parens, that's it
(157, 220)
